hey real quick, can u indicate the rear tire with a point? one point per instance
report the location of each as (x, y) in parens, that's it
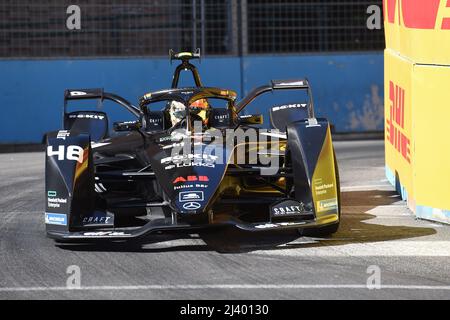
(332, 228)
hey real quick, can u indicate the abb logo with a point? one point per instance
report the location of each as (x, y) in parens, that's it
(417, 14)
(395, 124)
(191, 179)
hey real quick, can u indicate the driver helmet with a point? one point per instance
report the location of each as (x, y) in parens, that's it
(201, 108)
(177, 110)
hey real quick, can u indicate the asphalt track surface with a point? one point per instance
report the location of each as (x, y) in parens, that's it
(413, 256)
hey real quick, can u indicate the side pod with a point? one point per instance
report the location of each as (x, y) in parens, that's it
(69, 180)
(315, 172)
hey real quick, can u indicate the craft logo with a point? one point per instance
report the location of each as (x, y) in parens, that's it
(395, 124)
(418, 14)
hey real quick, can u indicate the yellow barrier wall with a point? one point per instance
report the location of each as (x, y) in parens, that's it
(418, 29)
(417, 104)
(398, 121)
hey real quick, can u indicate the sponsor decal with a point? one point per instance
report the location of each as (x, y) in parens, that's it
(99, 188)
(277, 225)
(266, 226)
(51, 193)
(98, 144)
(289, 106)
(70, 153)
(417, 14)
(153, 120)
(312, 122)
(78, 93)
(191, 205)
(87, 116)
(175, 136)
(294, 83)
(223, 116)
(287, 208)
(56, 218)
(327, 205)
(323, 188)
(186, 196)
(96, 219)
(166, 138)
(395, 123)
(62, 134)
(191, 186)
(105, 233)
(189, 160)
(190, 179)
(55, 202)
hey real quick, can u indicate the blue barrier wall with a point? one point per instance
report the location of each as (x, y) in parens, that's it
(347, 88)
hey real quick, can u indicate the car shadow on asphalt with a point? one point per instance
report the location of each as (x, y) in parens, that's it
(358, 225)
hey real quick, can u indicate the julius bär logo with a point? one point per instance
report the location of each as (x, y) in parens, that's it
(418, 14)
(395, 124)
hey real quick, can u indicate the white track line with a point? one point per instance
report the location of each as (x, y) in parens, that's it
(363, 188)
(225, 286)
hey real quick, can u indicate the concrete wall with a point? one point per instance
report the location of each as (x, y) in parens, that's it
(347, 87)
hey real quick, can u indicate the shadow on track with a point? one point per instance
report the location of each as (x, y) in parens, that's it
(355, 228)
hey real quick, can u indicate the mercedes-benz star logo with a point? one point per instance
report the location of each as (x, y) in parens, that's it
(191, 206)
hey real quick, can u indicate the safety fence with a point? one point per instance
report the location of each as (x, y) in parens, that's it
(121, 28)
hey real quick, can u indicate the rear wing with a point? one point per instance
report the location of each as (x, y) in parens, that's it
(98, 93)
(296, 84)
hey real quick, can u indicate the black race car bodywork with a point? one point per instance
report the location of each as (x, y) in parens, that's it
(131, 182)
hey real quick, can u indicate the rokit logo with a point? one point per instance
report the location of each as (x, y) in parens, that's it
(395, 124)
(87, 116)
(289, 106)
(418, 14)
(75, 153)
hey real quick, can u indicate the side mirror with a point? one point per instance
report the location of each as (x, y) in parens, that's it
(127, 126)
(251, 119)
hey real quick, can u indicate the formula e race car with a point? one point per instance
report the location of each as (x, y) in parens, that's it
(190, 159)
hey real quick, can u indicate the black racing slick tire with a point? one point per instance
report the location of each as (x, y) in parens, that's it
(332, 228)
